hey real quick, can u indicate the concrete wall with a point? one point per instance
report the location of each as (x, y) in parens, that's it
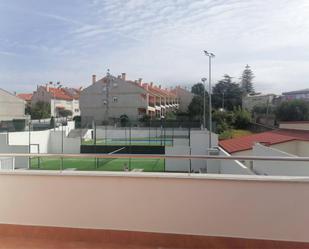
(233, 166)
(295, 125)
(288, 147)
(177, 165)
(303, 148)
(199, 143)
(140, 132)
(48, 141)
(36, 137)
(257, 207)
(70, 145)
(278, 168)
(20, 162)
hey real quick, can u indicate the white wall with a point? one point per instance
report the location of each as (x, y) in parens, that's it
(36, 137)
(20, 162)
(295, 126)
(303, 148)
(140, 132)
(233, 166)
(49, 141)
(199, 143)
(279, 168)
(256, 207)
(70, 145)
(177, 165)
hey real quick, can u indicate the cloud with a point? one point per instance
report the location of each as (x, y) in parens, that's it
(161, 41)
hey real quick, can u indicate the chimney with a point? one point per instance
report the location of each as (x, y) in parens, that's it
(160, 86)
(140, 81)
(123, 76)
(94, 79)
(151, 84)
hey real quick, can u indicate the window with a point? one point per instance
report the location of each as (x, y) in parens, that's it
(76, 110)
(115, 99)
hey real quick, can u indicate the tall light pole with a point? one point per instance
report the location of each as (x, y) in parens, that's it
(204, 107)
(210, 56)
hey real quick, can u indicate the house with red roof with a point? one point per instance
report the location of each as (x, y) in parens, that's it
(61, 99)
(291, 137)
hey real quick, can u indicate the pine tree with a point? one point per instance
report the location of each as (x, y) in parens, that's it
(246, 80)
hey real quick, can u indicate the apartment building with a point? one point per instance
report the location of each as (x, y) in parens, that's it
(110, 97)
(185, 97)
(58, 98)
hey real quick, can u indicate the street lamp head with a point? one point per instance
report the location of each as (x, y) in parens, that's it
(208, 54)
(204, 79)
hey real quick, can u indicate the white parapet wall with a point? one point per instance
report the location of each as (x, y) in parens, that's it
(47, 141)
(177, 165)
(233, 166)
(18, 162)
(277, 168)
(256, 207)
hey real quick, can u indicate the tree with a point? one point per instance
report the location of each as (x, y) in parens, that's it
(246, 80)
(226, 92)
(40, 110)
(65, 113)
(294, 110)
(242, 118)
(198, 89)
(196, 107)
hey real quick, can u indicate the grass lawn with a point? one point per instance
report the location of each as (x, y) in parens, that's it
(89, 164)
(134, 141)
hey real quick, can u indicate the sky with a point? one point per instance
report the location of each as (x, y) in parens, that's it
(160, 41)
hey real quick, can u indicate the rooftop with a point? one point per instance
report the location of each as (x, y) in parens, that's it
(297, 92)
(25, 96)
(269, 138)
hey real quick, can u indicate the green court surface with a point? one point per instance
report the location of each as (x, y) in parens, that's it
(91, 164)
(133, 141)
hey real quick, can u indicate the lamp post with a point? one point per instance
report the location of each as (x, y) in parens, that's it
(204, 106)
(210, 56)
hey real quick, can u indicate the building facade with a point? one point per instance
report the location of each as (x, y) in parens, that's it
(110, 97)
(250, 101)
(60, 99)
(185, 97)
(12, 112)
(300, 94)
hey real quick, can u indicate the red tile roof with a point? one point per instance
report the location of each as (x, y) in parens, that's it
(59, 94)
(25, 96)
(270, 137)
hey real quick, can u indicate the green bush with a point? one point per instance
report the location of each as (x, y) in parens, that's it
(242, 118)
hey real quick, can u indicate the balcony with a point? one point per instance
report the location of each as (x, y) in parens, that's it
(66, 209)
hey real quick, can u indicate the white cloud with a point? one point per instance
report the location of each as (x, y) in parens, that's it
(163, 40)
